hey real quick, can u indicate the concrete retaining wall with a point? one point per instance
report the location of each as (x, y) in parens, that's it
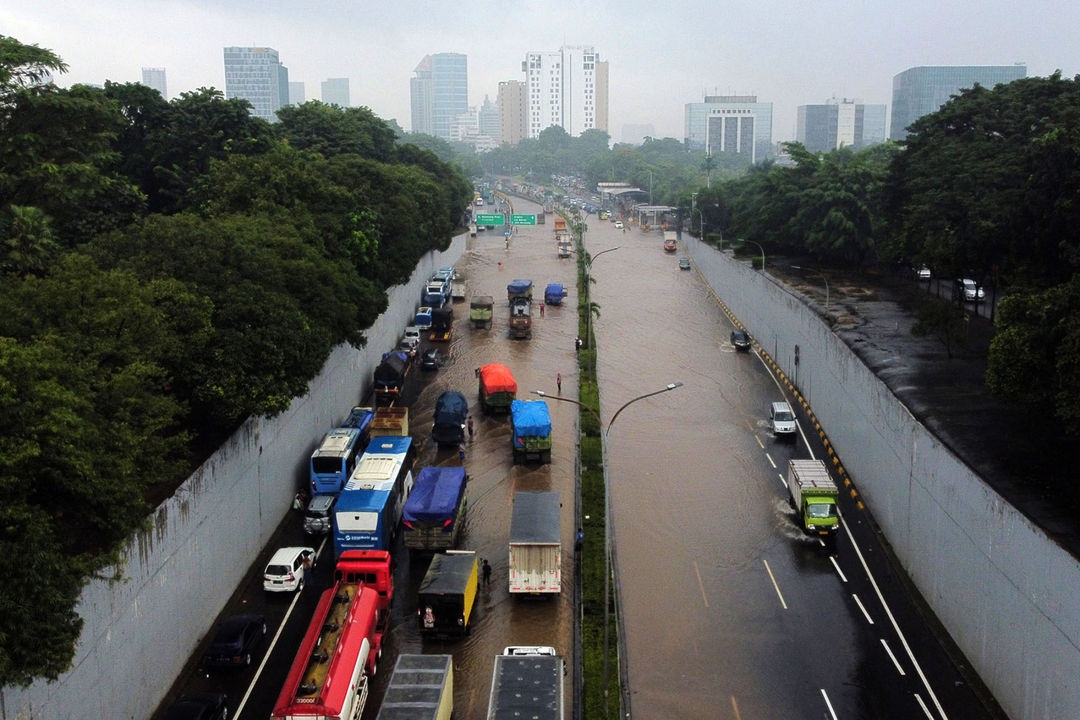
(180, 572)
(1009, 595)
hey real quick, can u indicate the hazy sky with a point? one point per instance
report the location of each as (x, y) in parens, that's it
(662, 54)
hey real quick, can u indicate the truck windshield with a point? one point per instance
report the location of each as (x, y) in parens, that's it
(784, 416)
(821, 511)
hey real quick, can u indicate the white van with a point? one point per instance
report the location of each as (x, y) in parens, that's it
(782, 419)
(285, 571)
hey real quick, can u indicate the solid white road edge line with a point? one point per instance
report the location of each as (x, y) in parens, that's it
(777, 587)
(828, 704)
(892, 657)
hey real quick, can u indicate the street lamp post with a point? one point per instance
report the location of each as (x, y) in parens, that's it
(607, 507)
(825, 279)
(588, 289)
(762, 253)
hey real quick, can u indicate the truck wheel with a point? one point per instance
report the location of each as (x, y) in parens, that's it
(545, 457)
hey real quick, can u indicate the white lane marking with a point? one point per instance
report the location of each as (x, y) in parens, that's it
(828, 704)
(701, 585)
(892, 657)
(865, 614)
(923, 706)
(783, 482)
(838, 570)
(760, 444)
(777, 587)
(896, 628)
(735, 708)
(769, 458)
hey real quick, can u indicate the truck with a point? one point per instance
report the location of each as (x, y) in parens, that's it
(451, 409)
(329, 679)
(560, 226)
(480, 311)
(498, 389)
(436, 293)
(390, 421)
(527, 682)
(541, 219)
(530, 431)
(390, 377)
(813, 494)
(435, 511)
(421, 688)
(565, 249)
(520, 318)
(423, 317)
(554, 294)
(519, 289)
(442, 324)
(459, 289)
(535, 544)
(671, 241)
(447, 594)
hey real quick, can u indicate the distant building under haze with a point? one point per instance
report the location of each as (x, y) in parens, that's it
(335, 91)
(155, 78)
(566, 87)
(734, 125)
(840, 123)
(439, 93)
(257, 75)
(921, 90)
(513, 115)
(296, 93)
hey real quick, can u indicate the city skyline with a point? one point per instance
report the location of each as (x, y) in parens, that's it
(781, 57)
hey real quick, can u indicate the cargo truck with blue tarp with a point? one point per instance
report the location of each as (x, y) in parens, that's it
(519, 289)
(554, 294)
(451, 410)
(435, 511)
(530, 431)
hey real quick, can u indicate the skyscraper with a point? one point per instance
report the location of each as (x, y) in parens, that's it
(335, 91)
(513, 117)
(733, 124)
(439, 93)
(564, 88)
(840, 123)
(920, 91)
(297, 95)
(256, 75)
(155, 78)
(488, 119)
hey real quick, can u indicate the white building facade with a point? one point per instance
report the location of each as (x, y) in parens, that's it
(563, 90)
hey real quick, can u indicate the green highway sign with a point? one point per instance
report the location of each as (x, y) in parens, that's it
(522, 219)
(499, 219)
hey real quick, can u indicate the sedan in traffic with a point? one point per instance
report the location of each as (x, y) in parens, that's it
(235, 640)
(740, 339)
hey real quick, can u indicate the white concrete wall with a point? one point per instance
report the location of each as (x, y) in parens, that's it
(140, 632)
(1007, 593)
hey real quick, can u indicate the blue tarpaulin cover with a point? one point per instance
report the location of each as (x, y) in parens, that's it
(553, 294)
(435, 495)
(451, 408)
(531, 418)
(518, 286)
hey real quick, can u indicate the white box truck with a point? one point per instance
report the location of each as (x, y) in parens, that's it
(527, 682)
(535, 544)
(421, 688)
(813, 494)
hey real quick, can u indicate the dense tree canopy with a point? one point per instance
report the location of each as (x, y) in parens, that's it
(169, 269)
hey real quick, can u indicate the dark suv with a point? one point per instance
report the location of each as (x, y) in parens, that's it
(740, 339)
(236, 638)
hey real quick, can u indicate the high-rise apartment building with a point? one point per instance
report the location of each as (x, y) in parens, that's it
(297, 95)
(840, 123)
(564, 88)
(257, 75)
(155, 78)
(920, 91)
(737, 125)
(513, 115)
(335, 91)
(439, 93)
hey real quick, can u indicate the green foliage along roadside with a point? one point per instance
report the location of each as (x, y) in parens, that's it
(169, 269)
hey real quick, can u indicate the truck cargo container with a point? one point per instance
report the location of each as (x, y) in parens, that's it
(554, 294)
(435, 511)
(451, 409)
(535, 544)
(527, 682)
(481, 311)
(813, 494)
(520, 319)
(447, 594)
(442, 324)
(390, 377)
(497, 388)
(390, 421)
(530, 431)
(519, 288)
(421, 688)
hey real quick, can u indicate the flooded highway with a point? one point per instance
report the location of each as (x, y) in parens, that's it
(729, 610)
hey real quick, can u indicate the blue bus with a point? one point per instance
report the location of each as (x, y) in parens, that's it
(369, 507)
(334, 460)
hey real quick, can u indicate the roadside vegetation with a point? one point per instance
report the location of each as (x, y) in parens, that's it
(169, 269)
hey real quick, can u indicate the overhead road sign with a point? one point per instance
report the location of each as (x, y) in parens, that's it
(498, 219)
(522, 219)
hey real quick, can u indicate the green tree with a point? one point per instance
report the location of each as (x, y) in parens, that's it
(330, 130)
(29, 246)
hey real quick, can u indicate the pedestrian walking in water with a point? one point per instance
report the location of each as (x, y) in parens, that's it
(468, 424)
(307, 570)
(487, 573)
(461, 452)
(558, 382)
(541, 309)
